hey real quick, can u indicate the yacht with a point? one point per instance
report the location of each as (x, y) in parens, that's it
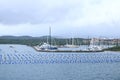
(93, 45)
(46, 46)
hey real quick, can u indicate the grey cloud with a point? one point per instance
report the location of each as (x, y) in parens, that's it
(31, 12)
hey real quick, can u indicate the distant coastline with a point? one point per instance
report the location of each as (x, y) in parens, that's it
(33, 41)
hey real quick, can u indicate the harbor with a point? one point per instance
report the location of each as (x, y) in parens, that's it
(59, 40)
(94, 45)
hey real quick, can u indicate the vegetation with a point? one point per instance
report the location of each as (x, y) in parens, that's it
(32, 41)
(116, 48)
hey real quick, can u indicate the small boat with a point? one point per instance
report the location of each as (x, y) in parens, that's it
(11, 46)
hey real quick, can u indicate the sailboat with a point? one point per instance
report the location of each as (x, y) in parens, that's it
(71, 45)
(93, 46)
(48, 45)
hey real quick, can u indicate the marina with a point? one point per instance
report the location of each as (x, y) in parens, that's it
(59, 40)
(92, 47)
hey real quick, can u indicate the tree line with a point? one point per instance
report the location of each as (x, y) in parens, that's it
(39, 41)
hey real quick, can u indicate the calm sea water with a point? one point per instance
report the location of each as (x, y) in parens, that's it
(107, 66)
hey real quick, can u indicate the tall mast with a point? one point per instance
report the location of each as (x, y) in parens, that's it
(72, 41)
(50, 35)
(47, 39)
(88, 41)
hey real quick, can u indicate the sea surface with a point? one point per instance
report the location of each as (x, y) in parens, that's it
(21, 62)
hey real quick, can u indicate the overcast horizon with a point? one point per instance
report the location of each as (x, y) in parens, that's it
(67, 18)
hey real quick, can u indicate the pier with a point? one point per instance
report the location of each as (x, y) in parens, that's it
(69, 51)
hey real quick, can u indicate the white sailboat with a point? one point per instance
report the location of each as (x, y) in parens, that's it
(71, 45)
(48, 45)
(93, 45)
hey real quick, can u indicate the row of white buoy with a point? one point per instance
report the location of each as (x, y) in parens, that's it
(58, 58)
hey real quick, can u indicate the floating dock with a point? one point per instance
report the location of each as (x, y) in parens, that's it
(57, 50)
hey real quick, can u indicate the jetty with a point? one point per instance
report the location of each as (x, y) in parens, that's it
(58, 50)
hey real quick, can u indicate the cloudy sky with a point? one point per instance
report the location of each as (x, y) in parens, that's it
(67, 18)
